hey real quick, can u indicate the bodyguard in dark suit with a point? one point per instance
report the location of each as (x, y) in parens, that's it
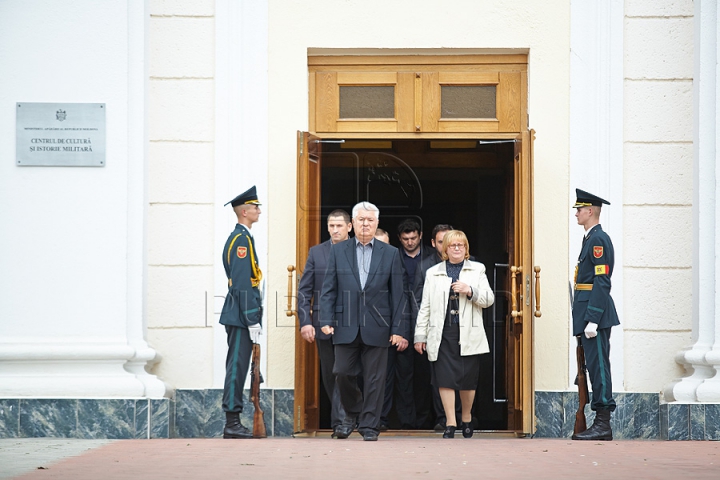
(594, 312)
(339, 227)
(412, 396)
(242, 310)
(361, 306)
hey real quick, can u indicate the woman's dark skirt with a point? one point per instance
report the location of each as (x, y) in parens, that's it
(452, 370)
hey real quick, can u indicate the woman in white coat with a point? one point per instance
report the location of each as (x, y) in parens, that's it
(450, 327)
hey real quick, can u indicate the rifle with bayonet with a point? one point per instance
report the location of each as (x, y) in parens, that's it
(259, 430)
(581, 382)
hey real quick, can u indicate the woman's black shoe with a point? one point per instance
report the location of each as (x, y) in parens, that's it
(467, 429)
(449, 431)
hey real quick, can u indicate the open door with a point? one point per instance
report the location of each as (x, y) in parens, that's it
(307, 371)
(524, 280)
(498, 179)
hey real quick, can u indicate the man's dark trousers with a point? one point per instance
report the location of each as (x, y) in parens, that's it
(399, 387)
(326, 354)
(350, 361)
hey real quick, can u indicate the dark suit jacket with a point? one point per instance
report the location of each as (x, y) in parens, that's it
(311, 285)
(595, 266)
(375, 312)
(428, 258)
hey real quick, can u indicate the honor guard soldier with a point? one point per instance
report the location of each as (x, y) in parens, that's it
(242, 311)
(594, 312)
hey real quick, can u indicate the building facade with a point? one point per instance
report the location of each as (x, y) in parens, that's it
(112, 277)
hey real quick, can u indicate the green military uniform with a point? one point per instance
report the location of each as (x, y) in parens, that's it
(242, 307)
(592, 303)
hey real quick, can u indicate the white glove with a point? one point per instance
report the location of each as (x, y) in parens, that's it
(255, 331)
(591, 330)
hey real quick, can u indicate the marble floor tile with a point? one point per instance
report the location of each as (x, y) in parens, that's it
(712, 421)
(48, 418)
(548, 414)
(160, 418)
(283, 419)
(106, 418)
(9, 417)
(199, 413)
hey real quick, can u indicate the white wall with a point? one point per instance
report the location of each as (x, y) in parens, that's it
(181, 210)
(241, 153)
(541, 27)
(657, 195)
(71, 249)
(596, 136)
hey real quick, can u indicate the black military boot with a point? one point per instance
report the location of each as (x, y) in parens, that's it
(600, 429)
(233, 427)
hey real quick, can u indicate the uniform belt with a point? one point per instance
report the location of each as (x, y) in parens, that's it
(583, 286)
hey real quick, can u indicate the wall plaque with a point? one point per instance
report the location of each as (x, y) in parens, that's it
(60, 134)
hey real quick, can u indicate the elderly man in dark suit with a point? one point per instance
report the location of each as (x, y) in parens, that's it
(339, 227)
(361, 306)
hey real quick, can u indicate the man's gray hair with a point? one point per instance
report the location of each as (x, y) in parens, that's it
(365, 206)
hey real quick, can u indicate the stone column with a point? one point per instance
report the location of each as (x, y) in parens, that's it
(701, 359)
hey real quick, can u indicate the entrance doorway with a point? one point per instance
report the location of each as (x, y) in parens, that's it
(482, 187)
(468, 184)
(440, 138)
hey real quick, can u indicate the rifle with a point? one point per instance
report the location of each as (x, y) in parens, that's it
(581, 382)
(259, 430)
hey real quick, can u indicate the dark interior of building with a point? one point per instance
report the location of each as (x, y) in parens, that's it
(465, 183)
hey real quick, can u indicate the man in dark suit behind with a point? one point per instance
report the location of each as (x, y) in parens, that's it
(339, 227)
(412, 395)
(361, 306)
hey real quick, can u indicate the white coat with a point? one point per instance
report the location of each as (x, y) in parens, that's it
(431, 317)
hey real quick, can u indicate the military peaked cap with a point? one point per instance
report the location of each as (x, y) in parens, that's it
(245, 198)
(586, 199)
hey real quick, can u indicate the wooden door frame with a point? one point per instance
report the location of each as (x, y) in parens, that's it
(306, 404)
(307, 420)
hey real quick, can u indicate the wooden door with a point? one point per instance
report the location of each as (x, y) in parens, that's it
(307, 371)
(521, 411)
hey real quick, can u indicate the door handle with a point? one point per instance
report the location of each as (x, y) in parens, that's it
(290, 311)
(538, 313)
(515, 313)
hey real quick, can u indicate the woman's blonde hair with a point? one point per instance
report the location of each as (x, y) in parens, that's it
(452, 236)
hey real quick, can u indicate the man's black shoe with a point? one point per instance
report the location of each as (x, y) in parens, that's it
(233, 427)
(344, 430)
(383, 427)
(370, 436)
